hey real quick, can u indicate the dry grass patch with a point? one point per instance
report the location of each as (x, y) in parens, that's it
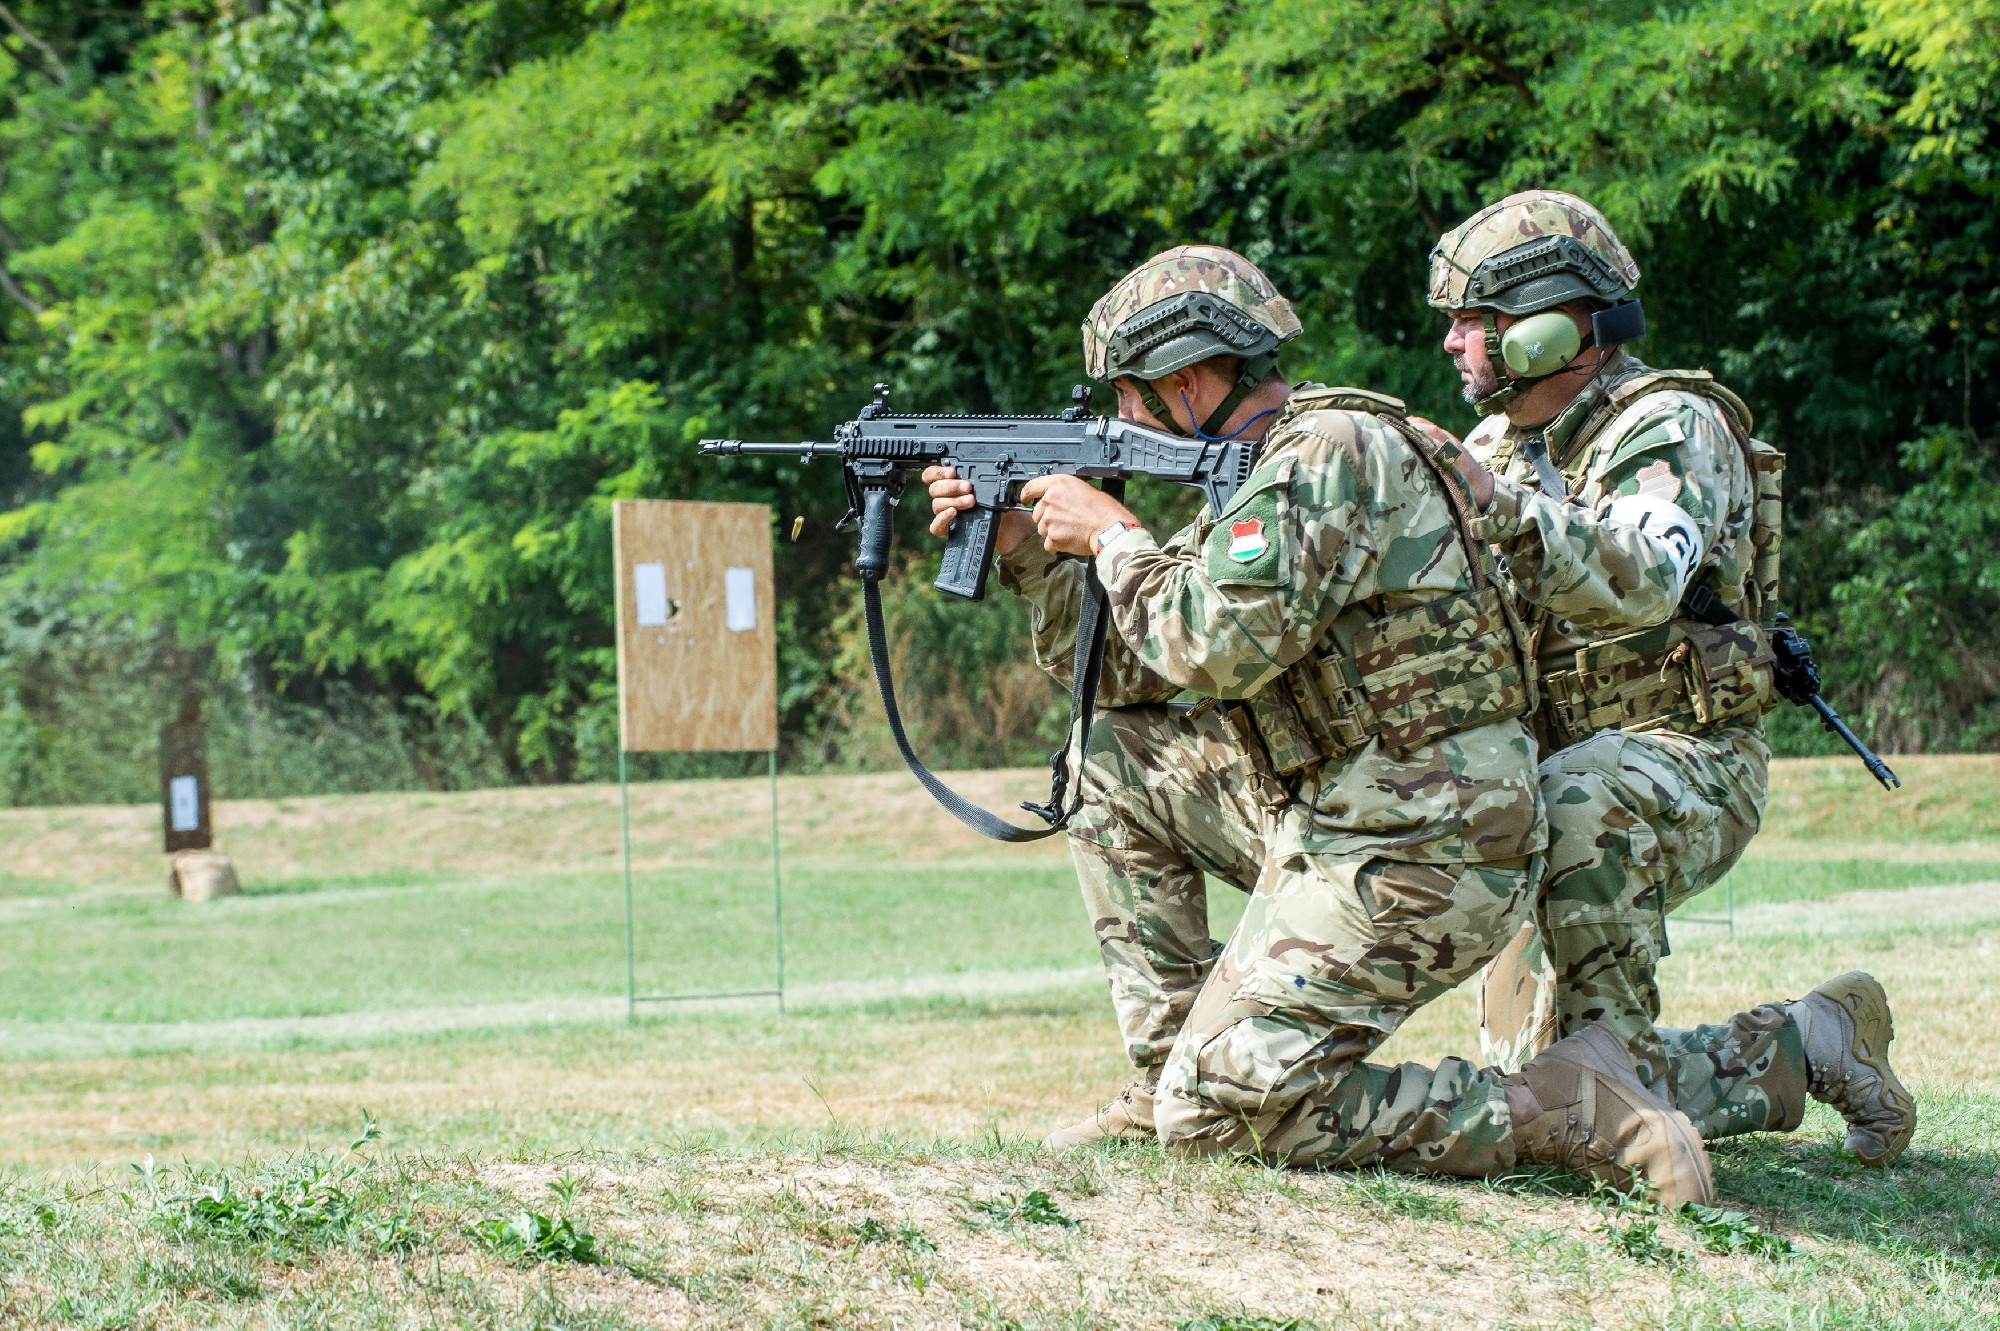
(1822, 806)
(840, 1230)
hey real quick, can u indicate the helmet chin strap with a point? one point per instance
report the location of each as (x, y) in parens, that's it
(1254, 371)
(1495, 402)
(1157, 405)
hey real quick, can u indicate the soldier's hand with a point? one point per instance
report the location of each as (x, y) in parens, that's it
(1477, 478)
(1070, 511)
(950, 496)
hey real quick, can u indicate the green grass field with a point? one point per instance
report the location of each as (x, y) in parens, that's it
(453, 966)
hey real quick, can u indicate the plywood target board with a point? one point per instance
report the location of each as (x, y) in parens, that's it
(697, 642)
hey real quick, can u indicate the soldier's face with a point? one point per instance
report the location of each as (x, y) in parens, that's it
(1132, 407)
(1465, 341)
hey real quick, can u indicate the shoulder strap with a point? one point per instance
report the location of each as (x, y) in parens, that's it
(1765, 470)
(1086, 668)
(1699, 382)
(1320, 397)
(1441, 456)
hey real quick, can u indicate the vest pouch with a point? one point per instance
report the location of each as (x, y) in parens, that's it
(1767, 526)
(1414, 676)
(1266, 786)
(1635, 681)
(1733, 673)
(1682, 675)
(1279, 720)
(1441, 667)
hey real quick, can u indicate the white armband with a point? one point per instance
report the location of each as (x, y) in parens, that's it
(1669, 528)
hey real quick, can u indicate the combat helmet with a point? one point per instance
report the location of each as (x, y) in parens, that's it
(1184, 305)
(1526, 255)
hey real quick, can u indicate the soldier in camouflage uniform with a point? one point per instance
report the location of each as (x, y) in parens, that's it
(1639, 521)
(1355, 763)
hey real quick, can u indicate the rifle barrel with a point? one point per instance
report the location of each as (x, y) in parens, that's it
(735, 447)
(1876, 767)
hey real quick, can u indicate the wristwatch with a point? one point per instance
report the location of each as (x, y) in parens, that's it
(1110, 534)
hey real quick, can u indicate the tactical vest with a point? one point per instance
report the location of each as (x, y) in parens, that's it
(1412, 676)
(1691, 674)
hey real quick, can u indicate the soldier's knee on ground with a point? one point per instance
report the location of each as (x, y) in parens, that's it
(1196, 1131)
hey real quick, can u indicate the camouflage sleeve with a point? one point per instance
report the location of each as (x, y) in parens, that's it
(1660, 484)
(1225, 612)
(1053, 588)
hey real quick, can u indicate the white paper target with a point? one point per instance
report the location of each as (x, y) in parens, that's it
(184, 803)
(740, 598)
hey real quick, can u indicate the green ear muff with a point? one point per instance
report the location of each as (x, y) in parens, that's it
(1540, 344)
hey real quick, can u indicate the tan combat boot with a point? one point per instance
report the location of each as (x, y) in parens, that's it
(1846, 1029)
(1585, 1109)
(1127, 1117)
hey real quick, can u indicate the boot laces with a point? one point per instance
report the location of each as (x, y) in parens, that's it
(1850, 1086)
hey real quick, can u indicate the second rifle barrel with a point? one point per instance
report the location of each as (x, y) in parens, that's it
(1876, 767)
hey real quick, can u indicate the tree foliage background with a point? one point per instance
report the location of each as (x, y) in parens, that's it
(329, 332)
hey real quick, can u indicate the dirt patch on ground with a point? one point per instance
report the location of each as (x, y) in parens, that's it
(1127, 1241)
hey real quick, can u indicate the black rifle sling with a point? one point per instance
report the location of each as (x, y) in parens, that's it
(1087, 667)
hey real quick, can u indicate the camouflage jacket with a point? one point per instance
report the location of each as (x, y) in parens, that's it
(1310, 549)
(1598, 565)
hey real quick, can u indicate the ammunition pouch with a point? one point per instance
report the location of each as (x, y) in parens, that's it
(1413, 676)
(1682, 675)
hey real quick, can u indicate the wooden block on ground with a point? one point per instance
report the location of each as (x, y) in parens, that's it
(697, 642)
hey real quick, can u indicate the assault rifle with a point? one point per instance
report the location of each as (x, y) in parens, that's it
(1798, 678)
(878, 450)
(999, 455)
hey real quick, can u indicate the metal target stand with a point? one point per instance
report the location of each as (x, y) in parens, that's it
(1728, 917)
(697, 671)
(632, 995)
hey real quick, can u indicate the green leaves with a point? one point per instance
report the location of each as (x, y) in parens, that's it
(1726, 1231)
(529, 1236)
(1924, 609)
(1036, 1208)
(330, 331)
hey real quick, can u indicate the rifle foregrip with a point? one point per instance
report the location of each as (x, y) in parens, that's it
(968, 553)
(878, 524)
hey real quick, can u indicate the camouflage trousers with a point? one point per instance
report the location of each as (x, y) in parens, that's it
(1263, 1040)
(1639, 824)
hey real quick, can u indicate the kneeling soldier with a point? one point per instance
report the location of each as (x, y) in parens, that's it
(1357, 763)
(1639, 521)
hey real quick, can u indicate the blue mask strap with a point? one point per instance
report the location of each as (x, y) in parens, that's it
(1221, 438)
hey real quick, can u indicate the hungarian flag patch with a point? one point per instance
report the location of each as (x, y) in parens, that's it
(1244, 548)
(1246, 540)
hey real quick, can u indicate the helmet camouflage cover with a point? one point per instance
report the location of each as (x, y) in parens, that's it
(1185, 305)
(1530, 251)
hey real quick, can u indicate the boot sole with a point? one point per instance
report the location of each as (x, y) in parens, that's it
(1861, 996)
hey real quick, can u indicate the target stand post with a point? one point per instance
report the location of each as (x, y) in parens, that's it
(1728, 917)
(697, 669)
